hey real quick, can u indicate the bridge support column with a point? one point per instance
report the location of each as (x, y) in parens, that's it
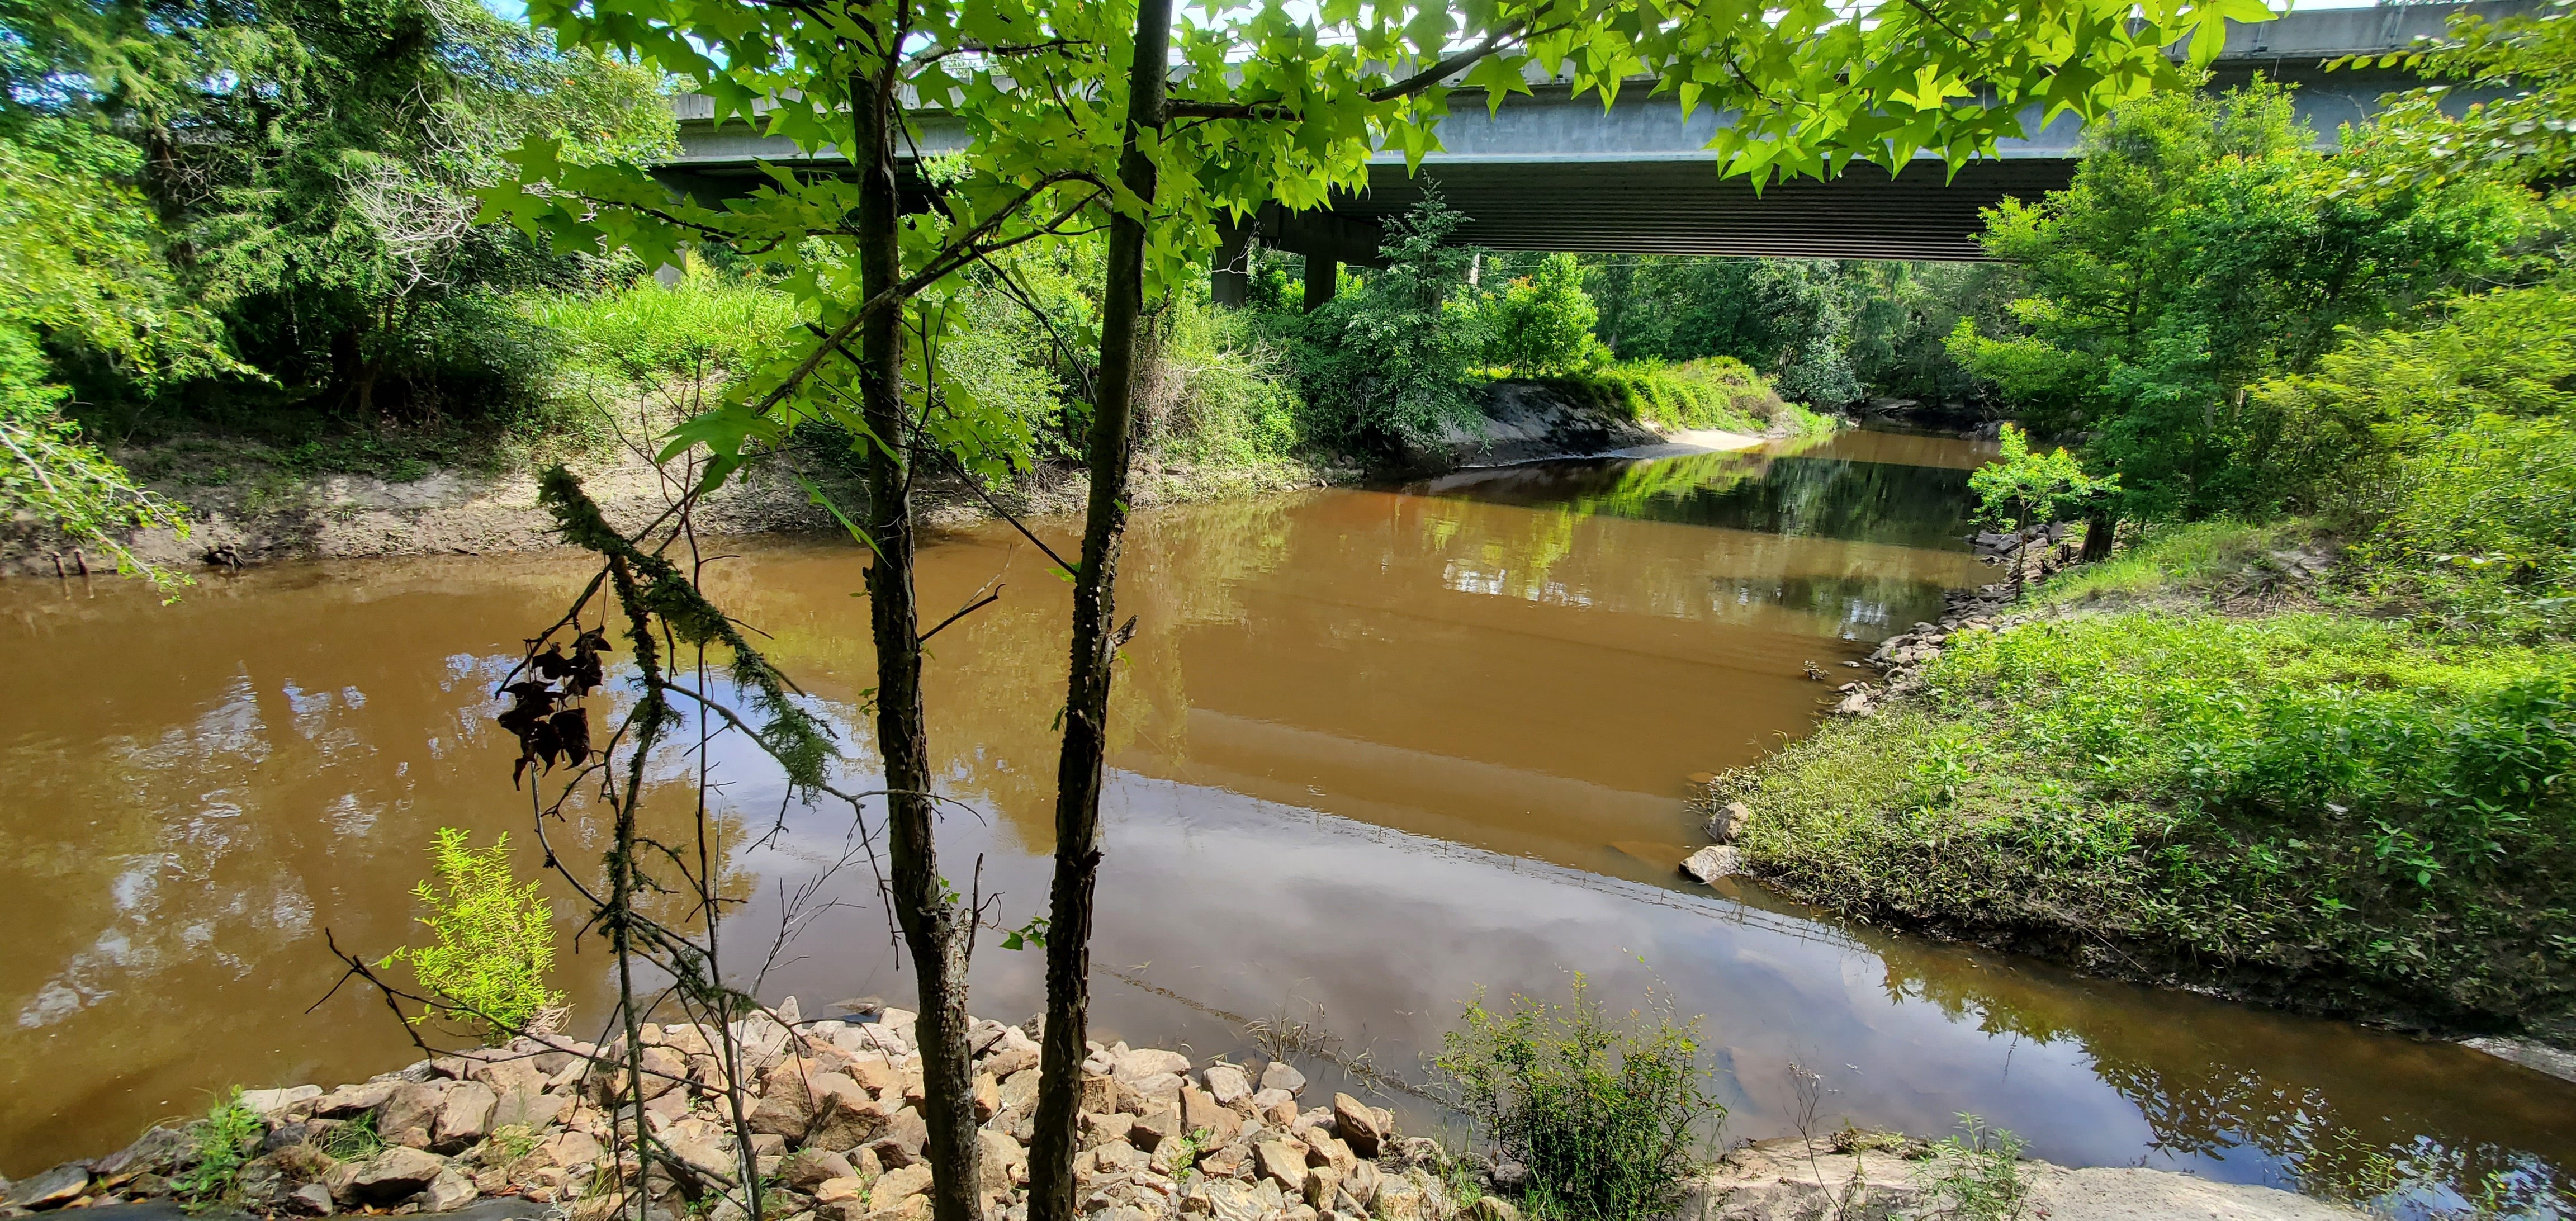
(1231, 279)
(1323, 275)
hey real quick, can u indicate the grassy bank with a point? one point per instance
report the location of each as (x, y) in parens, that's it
(2167, 778)
(1718, 392)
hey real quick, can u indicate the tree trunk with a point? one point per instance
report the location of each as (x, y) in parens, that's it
(1086, 700)
(934, 929)
(2099, 526)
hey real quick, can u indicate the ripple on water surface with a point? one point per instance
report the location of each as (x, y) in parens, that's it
(1373, 749)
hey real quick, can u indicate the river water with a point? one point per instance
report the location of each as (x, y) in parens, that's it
(1373, 750)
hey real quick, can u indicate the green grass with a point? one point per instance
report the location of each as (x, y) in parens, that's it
(2191, 562)
(1977, 1175)
(1718, 392)
(2321, 810)
(704, 325)
(225, 1139)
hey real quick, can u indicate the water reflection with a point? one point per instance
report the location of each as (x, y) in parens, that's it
(1372, 749)
(1854, 486)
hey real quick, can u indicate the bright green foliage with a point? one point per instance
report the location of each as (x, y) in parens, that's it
(2487, 526)
(1977, 1175)
(225, 1140)
(1606, 1115)
(1270, 103)
(1789, 318)
(1541, 324)
(1218, 394)
(312, 158)
(2202, 248)
(1827, 332)
(83, 272)
(2449, 447)
(336, 230)
(1719, 392)
(2020, 489)
(2523, 136)
(1390, 360)
(2326, 812)
(253, 201)
(707, 324)
(495, 941)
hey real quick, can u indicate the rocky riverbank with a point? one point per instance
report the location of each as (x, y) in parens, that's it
(526, 1130)
(836, 1129)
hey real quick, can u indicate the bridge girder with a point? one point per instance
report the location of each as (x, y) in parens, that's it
(1550, 171)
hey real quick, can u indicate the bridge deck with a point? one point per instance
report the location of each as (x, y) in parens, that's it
(1555, 172)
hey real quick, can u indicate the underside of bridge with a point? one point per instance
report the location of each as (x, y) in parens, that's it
(1680, 207)
(1552, 171)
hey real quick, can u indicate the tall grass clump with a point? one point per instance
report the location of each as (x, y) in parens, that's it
(2192, 561)
(1607, 1116)
(2327, 811)
(706, 324)
(1977, 1175)
(495, 941)
(222, 1143)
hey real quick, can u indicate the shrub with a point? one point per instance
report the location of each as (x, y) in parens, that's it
(224, 1141)
(1541, 324)
(496, 941)
(1217, 395)
(1976, 1176)
(2487, 525)
(1605, 1117)
(1391, 358)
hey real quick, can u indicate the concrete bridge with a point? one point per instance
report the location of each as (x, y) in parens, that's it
(1556, 172)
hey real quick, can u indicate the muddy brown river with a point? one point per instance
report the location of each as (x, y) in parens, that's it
(1374, 749)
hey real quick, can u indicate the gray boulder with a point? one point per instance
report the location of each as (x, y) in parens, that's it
(1714, 862)
(1280, 1075)
(394, 1175)
(1727, 822)
(52, 1189)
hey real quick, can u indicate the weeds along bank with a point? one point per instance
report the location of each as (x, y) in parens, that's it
(1578, 1120)
(1234, 403)
(2228, 759)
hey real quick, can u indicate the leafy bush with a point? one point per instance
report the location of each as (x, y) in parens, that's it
(1976, 1176)
(2331, 812)
(2331, 441)
(1541, 324)
(1217, 394)
(84, 290)
(1605, 1117)
(2204, 248)
(2487, 528)
(2024, 488)
(223, 1141)
(496, 941)
(1392, 358)
(2450, 444)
